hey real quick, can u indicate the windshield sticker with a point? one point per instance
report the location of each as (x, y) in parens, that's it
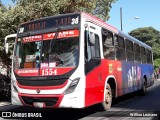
(19, 39)
(48, 36)
(54, 71)
(69, 33)
(32, 38)
(30, 58)
(28, 65)
(52, 64)
(47, 72)
(27, 72)
(62, 34)
(43, 65)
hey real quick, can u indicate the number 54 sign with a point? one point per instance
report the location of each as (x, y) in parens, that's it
(48, 71)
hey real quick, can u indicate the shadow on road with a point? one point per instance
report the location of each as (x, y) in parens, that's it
(62, 113)
(69, 114)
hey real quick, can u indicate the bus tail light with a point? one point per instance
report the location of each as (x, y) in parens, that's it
(72, 86)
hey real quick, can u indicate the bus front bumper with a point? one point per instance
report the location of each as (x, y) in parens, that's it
(73, 100)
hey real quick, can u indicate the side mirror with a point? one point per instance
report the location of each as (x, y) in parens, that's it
(6, 48)
(6, 38)
(92, 39)
(11, 57)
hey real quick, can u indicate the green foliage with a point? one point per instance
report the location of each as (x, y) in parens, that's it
(157, 63)
(40, 8)
(150, 36)
(26, 10)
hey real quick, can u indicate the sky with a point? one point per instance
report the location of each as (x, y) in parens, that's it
(146, 10)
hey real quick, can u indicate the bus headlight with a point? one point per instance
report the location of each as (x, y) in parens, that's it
(14, 87)
(72, 86)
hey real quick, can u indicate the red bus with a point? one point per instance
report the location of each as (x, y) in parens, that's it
(76, 60)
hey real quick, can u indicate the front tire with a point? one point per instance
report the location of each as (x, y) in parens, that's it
(106, 105)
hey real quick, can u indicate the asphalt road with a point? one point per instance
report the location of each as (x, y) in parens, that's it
(127, 107)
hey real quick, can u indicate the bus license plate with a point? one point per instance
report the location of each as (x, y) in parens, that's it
(39, 104)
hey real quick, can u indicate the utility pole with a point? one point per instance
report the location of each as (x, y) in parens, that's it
(121, 19)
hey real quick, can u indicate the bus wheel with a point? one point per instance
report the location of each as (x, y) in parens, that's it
(108, 99)
(144, 89)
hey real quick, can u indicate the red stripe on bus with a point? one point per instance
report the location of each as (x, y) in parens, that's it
(100, 22)
(61, 34)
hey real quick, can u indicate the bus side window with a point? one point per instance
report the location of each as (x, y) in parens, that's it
(149, 56)
(108, 45)
(129, 50)
(120, 48)
(137, 52)
(91, 50)
(95, 49)
(143, 55)
(86, 36)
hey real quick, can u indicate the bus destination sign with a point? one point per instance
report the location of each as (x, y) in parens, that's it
(50, 22)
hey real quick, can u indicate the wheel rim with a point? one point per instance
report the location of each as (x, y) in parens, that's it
(108, 97)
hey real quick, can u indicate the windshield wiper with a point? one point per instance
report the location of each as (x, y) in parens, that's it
(53, 40)
(54, 56)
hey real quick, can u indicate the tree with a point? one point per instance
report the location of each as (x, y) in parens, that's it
(150, 36)
(40, 8)
(26, 10)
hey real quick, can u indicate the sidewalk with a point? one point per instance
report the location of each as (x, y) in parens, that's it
(4, 103)
(157, 80)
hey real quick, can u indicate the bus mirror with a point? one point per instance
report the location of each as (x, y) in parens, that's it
(6, 48)
(11, 57)
(92, 39)
(6, 38)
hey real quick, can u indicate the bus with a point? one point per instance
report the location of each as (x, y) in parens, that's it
(76, 60)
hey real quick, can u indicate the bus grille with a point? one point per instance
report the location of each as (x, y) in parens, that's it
(42, 82)
(51, 101)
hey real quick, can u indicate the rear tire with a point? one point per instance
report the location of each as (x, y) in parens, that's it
(106, 105)
(143, 91)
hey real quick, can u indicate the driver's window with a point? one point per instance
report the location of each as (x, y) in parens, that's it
(96, 48)
(91, 50)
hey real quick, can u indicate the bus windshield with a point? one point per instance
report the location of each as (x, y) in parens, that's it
(35, 52)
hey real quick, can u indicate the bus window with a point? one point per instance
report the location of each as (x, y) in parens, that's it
(91, 50)
(27, 53)
(149, 56)
(120, 48)
(108, 45)
(137, 53)
(129, 50)
(95, 50)
(143, 55)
